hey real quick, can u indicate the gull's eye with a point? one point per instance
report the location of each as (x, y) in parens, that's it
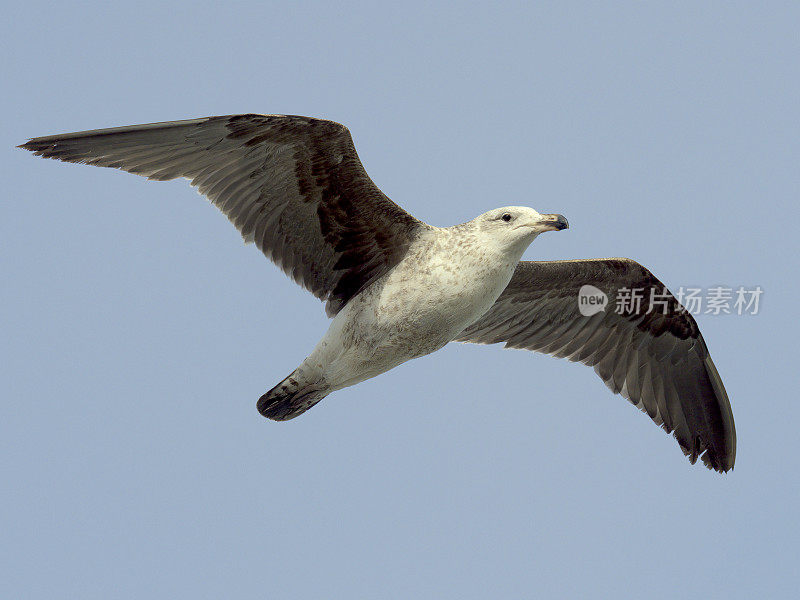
(506, 217)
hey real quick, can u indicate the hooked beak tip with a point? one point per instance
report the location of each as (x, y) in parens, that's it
(554, 222)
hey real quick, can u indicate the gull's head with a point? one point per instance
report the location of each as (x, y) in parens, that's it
(517, 226)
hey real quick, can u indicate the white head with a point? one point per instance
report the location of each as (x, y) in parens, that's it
(513, 228)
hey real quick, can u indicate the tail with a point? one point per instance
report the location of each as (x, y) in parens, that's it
(291, 397)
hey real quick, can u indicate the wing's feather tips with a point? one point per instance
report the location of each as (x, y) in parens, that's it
(656, 360)
(651, 389)
(630, 377)
(642, 387)
(619, 365)
(726, 413)
(294, 185)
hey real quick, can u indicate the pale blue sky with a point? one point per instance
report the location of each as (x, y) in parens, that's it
(139, 331)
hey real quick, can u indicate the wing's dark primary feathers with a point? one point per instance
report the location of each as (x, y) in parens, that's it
(657, 359)
(293, 185)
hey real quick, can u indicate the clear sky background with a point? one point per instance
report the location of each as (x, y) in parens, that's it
(138, 331)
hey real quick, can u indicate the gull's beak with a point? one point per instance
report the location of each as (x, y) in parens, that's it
(552, 223)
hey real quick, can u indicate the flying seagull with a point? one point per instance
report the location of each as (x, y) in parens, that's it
(398, 288)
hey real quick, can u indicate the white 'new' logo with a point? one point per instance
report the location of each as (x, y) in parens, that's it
(591, 300)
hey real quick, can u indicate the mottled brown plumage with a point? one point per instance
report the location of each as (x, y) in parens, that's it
(655, 358)
(293, 185)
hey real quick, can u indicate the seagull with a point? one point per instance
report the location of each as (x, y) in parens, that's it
(397, 288)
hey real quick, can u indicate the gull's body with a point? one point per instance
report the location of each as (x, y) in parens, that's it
(422, 304)
(398, 288)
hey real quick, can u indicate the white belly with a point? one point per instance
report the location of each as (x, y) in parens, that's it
(420, 306)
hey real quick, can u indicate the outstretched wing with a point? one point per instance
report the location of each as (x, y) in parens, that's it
(656, 359)
(293, 185)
